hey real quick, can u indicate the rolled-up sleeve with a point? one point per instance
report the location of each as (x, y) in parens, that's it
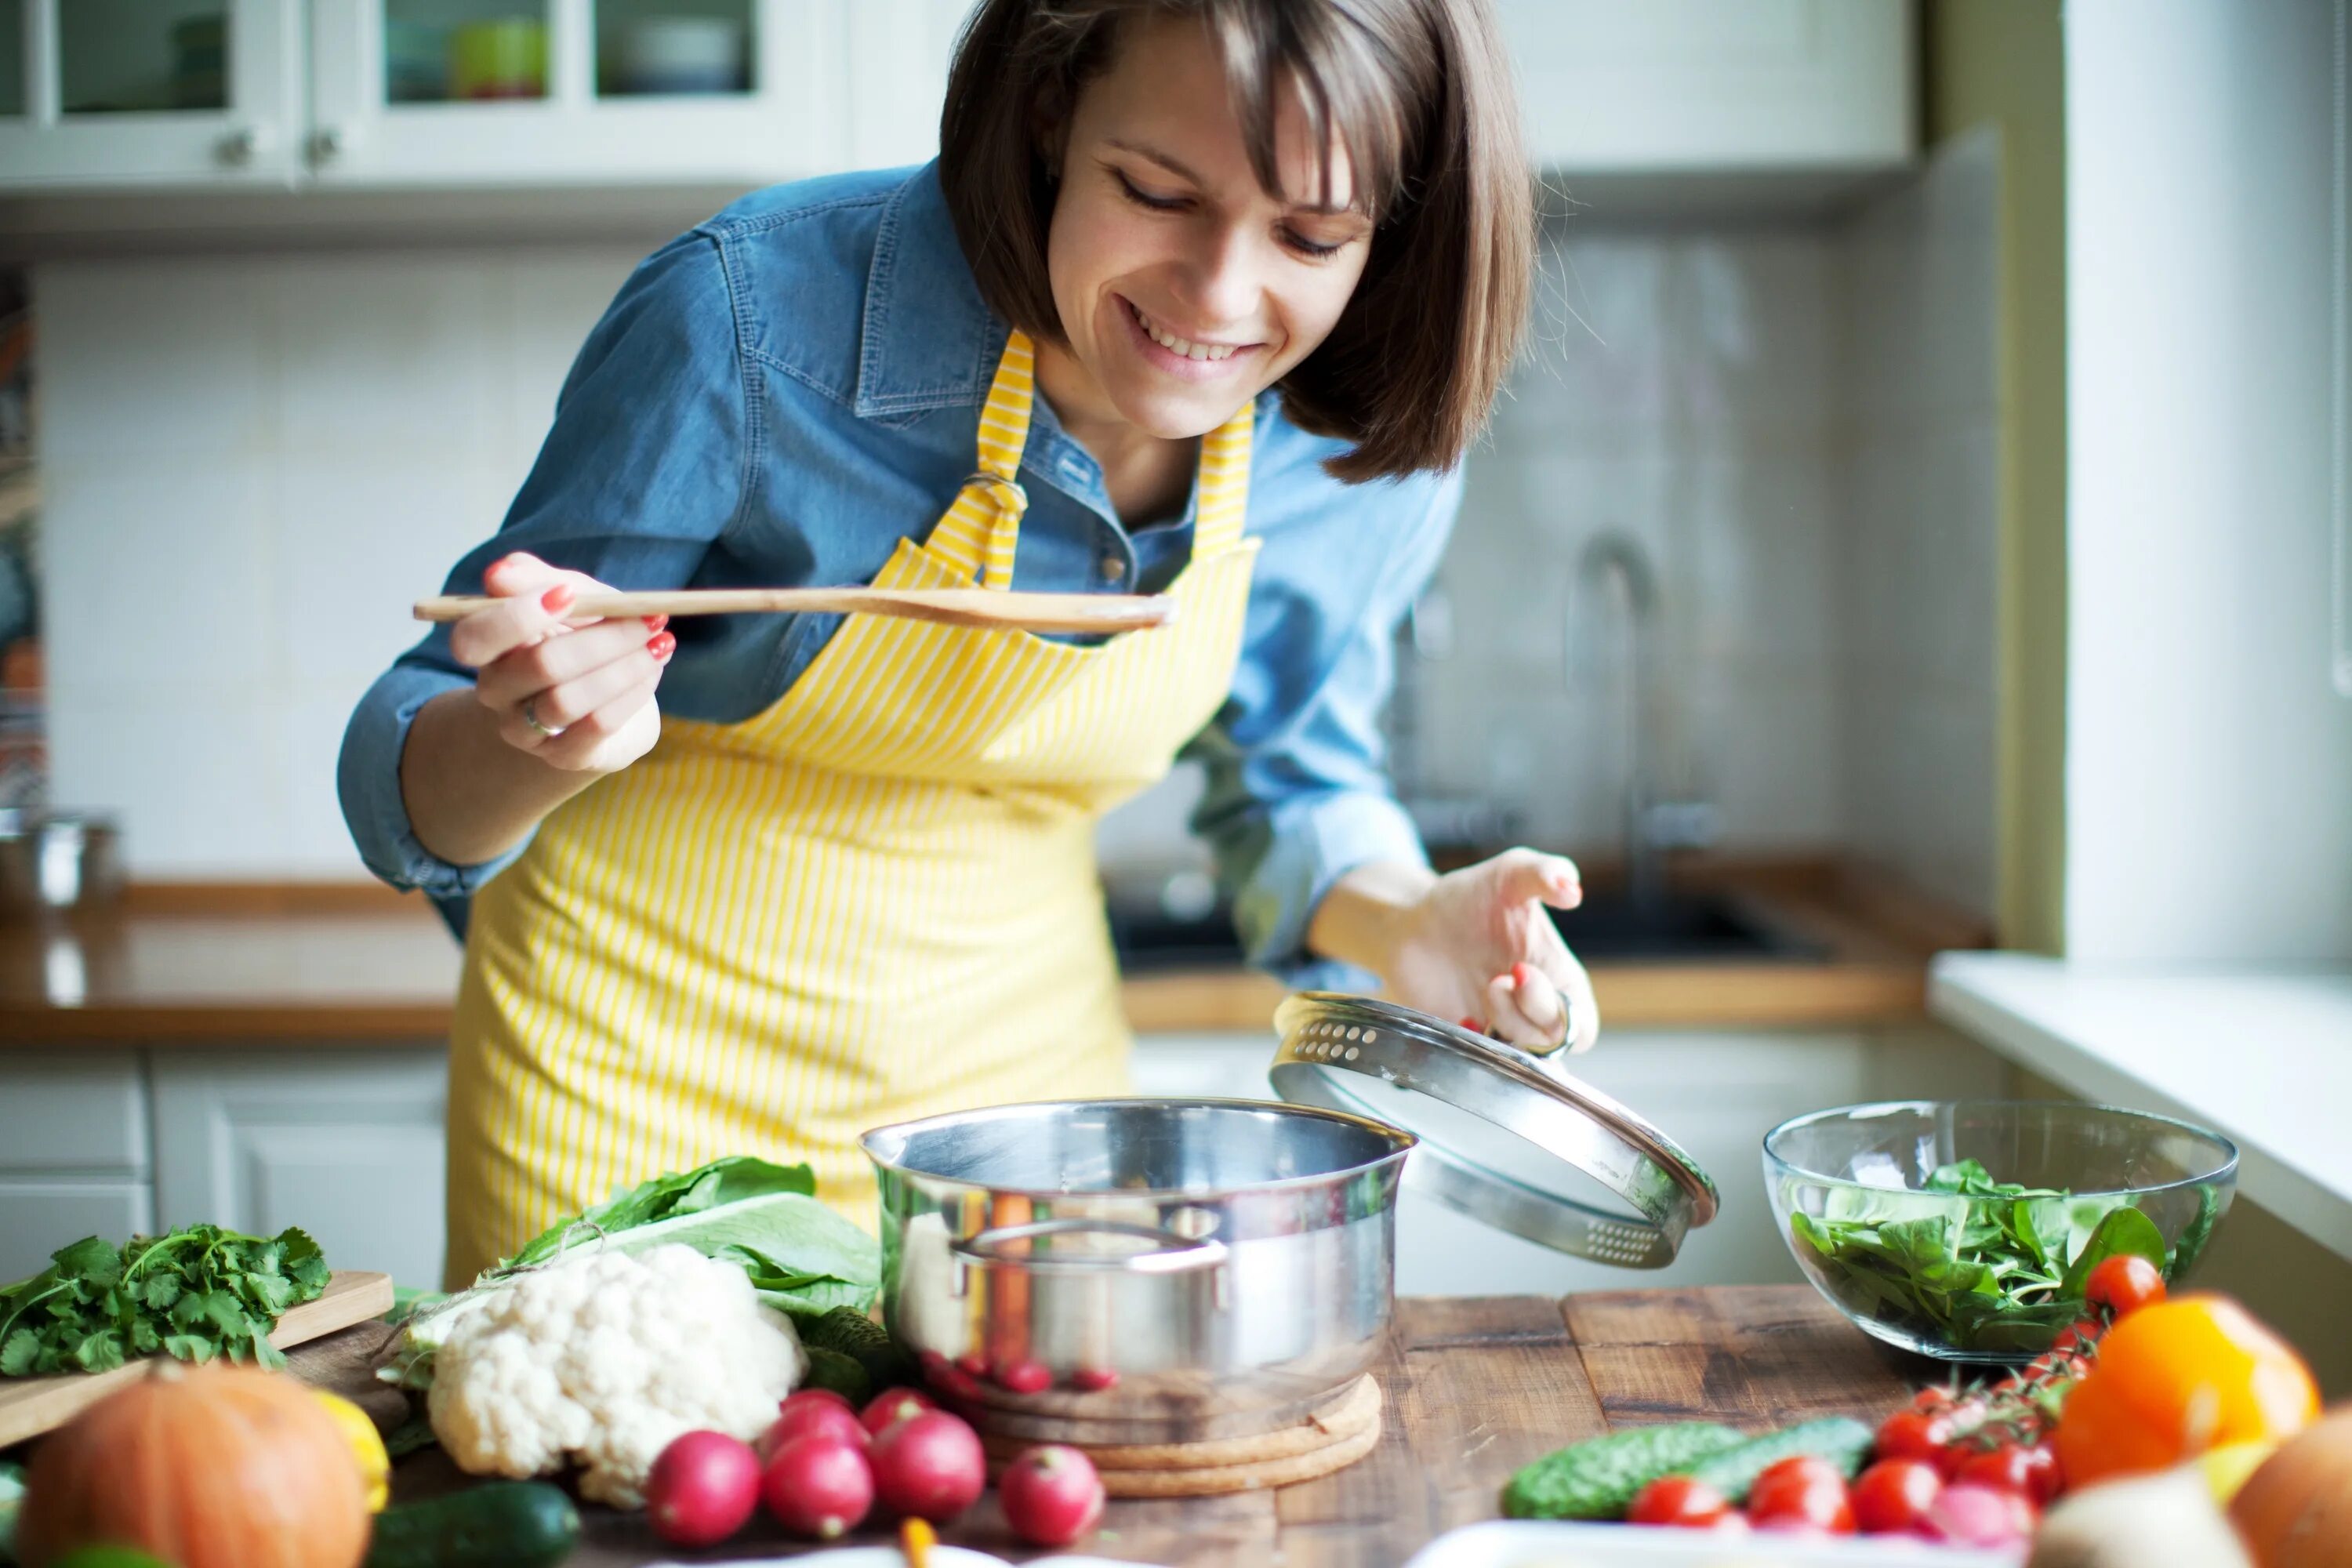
(1298, 792)
(647, 462)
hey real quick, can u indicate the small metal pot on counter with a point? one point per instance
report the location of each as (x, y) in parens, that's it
(1137, 1271)
(57, 860)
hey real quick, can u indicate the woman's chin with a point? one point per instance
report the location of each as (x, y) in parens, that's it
(1179, 417)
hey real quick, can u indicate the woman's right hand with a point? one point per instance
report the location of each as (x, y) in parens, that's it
(587, 684)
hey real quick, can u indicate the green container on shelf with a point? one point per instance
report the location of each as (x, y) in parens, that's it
(504, 58)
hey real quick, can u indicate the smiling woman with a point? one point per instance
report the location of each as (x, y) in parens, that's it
(1207, 297)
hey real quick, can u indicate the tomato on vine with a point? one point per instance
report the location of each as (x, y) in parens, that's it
(1679, 1502)
(2124, 1284)
(1892, 1497)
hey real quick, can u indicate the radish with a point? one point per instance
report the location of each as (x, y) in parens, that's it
(702, 1488)
(818, 1396)
(823, 1416)
(894, 1404)
(1970, 1515)
(1095, 1379)
(1051, 1495)
(928, 1467)
(818, 1486)
(1026, 1375)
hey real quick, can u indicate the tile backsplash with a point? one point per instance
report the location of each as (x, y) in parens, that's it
(253, 462)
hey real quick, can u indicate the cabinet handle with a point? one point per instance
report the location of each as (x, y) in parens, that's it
(240, 147)
(326, 144)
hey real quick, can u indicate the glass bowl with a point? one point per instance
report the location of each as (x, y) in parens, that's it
(1986, 1262)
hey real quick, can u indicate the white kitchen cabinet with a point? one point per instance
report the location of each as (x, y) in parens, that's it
(39, 1215)
(898, 54)
(138, 93)
(1715, 86)
(587, 117)
(73, 1154)
(348, 1144)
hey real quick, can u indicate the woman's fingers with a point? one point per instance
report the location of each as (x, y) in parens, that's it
(565, 706)
(526, 672)
(585, 743)
(1528, 875)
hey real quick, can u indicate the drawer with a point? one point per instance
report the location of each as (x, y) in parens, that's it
(83, 1112)
(38, 1215)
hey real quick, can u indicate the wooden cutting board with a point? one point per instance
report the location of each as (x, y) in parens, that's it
(32, 1406)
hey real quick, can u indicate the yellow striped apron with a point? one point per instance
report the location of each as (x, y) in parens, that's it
(875, 901)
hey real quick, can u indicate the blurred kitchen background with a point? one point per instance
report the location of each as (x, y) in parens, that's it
(1774, 599)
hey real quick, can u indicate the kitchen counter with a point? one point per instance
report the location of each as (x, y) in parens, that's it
(320, 966)
(1475, 1386)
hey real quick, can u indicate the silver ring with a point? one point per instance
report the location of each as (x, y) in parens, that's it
(532, 719)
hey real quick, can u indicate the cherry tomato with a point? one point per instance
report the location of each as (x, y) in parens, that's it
(1892, 1497)
(2124, 1284)
(1804, 1492)
(2079, 1336)
(1680, 1501)
(2031, 1473)
(1915, 1435)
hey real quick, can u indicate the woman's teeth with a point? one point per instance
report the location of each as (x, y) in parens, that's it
(1184, 346)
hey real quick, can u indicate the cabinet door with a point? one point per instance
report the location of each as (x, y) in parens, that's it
(550, 93)
(1689, 85)
(347, 1144)
(40, 1214)
(129, 93)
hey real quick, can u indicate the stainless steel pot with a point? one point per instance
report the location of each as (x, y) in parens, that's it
(1139, 1271)
(52, 860)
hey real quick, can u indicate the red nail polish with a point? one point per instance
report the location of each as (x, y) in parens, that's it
(661, 644)
(558, 599)
(1473, 1025)
(1518, 974)
(655, 623)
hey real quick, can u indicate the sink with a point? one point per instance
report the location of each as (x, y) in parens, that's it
(1610, 927)
(1607, 928)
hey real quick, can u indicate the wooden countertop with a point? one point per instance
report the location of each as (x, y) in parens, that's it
(1475, 1387)
(351, 966)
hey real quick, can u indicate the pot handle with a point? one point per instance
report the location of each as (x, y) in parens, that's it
(1178, 1254)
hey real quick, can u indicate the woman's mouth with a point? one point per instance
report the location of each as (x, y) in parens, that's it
(1175, 352)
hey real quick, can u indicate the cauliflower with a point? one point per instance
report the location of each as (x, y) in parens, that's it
(604, 1358)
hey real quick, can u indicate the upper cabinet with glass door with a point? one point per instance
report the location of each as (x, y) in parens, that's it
(114, 94)
(453, 94)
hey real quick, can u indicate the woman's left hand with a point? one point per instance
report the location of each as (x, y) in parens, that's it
(1476, 946)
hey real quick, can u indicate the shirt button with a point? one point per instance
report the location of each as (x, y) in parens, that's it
(1114, 566)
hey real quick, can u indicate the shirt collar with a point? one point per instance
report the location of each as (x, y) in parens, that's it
(929, 341)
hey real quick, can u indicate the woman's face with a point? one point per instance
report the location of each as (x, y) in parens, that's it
(1183, 288)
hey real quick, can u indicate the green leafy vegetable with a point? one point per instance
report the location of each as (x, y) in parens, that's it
(1999, 1272)
(802, 1258)
(193, 1294)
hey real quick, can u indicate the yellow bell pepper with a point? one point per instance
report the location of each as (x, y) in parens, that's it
(366, 1446)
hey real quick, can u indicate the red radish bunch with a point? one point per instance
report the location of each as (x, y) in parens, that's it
(702, 1488)
(892, 1406)
(1051, 1495)
(818, 1485)
(928, 1466)
(814, 1411)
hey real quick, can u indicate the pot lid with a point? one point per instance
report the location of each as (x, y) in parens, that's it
(1507, 1137)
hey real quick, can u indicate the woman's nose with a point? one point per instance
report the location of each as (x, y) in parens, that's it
(1226, 281)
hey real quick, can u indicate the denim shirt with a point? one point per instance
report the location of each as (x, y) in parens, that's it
(779, 395)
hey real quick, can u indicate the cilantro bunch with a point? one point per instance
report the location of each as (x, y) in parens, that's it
(194, 1294)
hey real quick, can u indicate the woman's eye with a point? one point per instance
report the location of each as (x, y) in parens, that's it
(1144, 199)
(1306, 247)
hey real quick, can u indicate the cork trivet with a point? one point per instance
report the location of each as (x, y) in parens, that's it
(1218, 1479)
(1358, 1409)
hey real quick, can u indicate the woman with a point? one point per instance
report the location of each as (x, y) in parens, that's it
(757, 884)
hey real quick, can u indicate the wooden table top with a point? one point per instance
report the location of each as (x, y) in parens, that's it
(1475, 1387)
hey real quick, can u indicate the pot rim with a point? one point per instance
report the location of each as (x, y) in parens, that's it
(1402, 1143)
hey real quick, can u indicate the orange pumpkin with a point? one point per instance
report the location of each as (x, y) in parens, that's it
(2296, 1511)
(209, 1466)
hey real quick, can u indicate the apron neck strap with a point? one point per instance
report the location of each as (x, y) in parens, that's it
(983, 529)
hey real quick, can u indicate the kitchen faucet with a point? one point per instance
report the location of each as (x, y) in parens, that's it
(1651, 826)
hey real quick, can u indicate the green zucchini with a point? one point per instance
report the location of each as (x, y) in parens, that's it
(1597, 1479)
(504, 1524)
(1843, 1443)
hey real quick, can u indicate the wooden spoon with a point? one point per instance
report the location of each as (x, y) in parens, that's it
(990, 607)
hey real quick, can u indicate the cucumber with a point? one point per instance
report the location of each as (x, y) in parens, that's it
(840, 1372)
(1597, 1479)
(505, 1524)
(1843, 1443)
(852, 1333)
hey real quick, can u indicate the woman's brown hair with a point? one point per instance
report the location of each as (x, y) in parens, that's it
(1418, 92)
